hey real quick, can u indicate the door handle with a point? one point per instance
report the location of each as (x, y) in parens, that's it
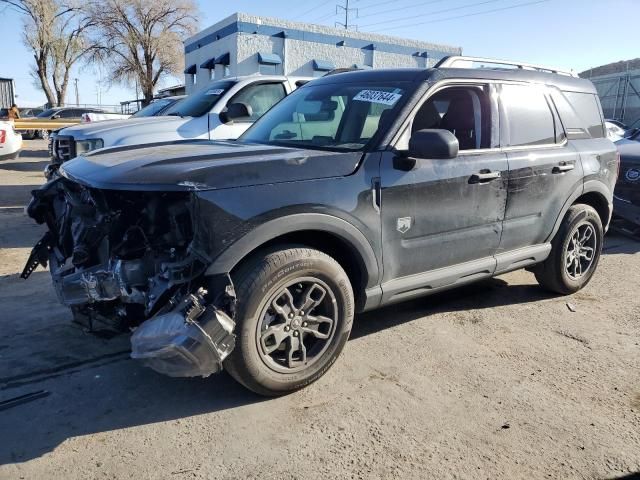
(484, 176)
(565, 167)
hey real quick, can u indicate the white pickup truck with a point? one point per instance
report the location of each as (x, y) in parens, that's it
(222, 110)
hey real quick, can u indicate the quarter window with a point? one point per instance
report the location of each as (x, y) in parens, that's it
(529, 118)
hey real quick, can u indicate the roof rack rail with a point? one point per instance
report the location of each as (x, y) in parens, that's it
(459, 61)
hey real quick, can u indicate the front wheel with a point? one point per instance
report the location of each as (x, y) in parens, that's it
(575, 252)
(294, 316)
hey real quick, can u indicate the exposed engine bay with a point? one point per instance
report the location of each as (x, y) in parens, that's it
(122, 259)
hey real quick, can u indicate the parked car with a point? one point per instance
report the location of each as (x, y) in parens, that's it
(623, 126)
(633, 129)
(614, 132)
(358, 190)
(10, 141)
(54, 118)
(155, 108)
(206, 114)
(158, 106)
(29, 113)
(626, 199)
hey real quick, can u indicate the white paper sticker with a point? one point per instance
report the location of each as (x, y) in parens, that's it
(215, 91)
(377, 96)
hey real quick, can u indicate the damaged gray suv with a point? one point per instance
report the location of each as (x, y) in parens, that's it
(359, 190)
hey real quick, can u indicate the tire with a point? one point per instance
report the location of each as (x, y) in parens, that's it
(267, 358)
(43, 134)
(560, 272)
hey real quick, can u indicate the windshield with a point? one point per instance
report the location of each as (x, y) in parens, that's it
(201, 102)
(47, 113)
(329, 116)
(154, 107)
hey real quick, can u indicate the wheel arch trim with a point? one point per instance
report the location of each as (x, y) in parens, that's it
(275, 228)
(590, 186)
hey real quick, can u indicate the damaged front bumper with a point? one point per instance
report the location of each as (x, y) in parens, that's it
(125, 261)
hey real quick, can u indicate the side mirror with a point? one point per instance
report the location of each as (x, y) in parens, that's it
(236, 111)
(431, 143)
(56, 116)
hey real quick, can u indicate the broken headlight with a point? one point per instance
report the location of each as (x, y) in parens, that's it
(84, 146)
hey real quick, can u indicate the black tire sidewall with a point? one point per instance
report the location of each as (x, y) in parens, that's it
(246, 364)
(579, 215)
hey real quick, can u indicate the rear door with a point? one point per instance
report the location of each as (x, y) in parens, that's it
(544, 169)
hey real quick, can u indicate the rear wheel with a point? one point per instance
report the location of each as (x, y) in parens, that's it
(575, 252)
(294, 316)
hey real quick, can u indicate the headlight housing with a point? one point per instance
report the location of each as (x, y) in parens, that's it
(84, 146)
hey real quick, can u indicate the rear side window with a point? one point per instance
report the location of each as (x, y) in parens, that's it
(528, 116)
(579, 112)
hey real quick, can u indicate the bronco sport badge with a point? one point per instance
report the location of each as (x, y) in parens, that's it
(403, 224)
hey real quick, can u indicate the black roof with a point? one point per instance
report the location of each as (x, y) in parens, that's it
(563, 82)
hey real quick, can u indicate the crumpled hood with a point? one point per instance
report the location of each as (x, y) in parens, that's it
(204, 165)
(102, 128)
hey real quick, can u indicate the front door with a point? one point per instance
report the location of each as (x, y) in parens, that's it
(441, 213)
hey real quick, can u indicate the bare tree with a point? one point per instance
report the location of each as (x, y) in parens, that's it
(141, 40)
(56, 32)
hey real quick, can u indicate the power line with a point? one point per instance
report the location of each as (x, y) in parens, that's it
(324, 17)
(347, 11)
(321, 4)
(475, 4)
(393, 10)
(463, 16)
(386, 2)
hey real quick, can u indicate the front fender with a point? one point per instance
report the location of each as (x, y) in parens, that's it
(272, 229)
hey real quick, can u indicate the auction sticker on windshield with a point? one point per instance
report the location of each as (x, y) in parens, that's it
(215, 91)
(377, 96)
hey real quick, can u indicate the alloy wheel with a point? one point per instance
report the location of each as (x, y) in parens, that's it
(581, 251)
(296, 325)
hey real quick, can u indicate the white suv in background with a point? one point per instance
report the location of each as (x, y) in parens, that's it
(222, 110)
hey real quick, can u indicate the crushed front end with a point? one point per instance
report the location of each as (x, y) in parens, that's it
(123, 261)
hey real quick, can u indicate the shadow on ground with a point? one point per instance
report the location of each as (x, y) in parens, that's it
(18, 166)
(93, 393)
(15, 195)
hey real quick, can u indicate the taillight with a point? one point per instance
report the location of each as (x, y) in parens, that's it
(3, 136)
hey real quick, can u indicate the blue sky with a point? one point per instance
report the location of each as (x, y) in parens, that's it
(574, 34)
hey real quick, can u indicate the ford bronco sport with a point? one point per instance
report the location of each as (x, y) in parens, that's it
(358, 190)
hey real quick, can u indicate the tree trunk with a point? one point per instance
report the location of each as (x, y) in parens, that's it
(41, 71)
(62, 93)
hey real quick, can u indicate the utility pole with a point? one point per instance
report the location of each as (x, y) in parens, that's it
(347, 12)
(77, 95)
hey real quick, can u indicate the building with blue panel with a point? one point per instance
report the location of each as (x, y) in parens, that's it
(244, 44)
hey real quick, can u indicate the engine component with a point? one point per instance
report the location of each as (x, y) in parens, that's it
(192, 340)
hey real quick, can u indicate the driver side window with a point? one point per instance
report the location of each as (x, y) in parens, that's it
(465, 111)
(260, 97)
